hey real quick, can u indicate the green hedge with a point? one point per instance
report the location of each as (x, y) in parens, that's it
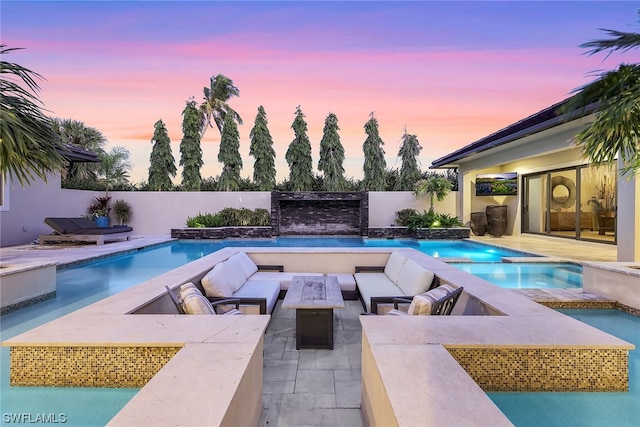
(231, 217)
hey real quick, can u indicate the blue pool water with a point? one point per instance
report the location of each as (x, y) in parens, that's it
(527, 275)
(476, 252)
(583, 409)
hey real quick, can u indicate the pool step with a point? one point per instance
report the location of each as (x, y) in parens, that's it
(567, 298)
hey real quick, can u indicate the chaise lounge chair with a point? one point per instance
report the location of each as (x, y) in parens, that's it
(83, 230)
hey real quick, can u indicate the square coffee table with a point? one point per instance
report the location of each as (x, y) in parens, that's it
(314, 298)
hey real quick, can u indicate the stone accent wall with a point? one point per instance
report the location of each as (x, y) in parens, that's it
(220, 233)
(319, 213)
(99, 366)
(398, 232)
(541, 369)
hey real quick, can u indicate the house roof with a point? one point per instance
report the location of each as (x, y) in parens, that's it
(75, 154)
(538, 122)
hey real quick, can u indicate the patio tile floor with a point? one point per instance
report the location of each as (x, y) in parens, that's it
(312, 387)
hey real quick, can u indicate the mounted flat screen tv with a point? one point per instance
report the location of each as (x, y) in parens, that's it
(497, 184)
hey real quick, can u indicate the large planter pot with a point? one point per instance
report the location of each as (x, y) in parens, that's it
(102, 221)
(478, 223)
(496, 220)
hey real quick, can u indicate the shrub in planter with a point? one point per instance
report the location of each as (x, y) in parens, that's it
(432, 220)
(122, 211)
(403, 216)
(261, 217)
(230, 217)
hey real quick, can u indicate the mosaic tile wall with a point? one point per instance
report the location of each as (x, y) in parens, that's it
(518, 369)
(31, 301)
(117, 367)
(579, 304)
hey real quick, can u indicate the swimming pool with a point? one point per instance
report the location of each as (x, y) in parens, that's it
(583, 409)
(521, 275)
(472, 251)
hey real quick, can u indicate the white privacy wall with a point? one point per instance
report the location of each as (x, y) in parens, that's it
(22, 214)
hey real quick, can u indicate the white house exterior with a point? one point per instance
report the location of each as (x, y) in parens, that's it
(559, 193)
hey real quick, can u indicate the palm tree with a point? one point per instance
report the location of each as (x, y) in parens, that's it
(616, 128)
(436, 186)
(114, 167)
(28, 145)
(215, 107)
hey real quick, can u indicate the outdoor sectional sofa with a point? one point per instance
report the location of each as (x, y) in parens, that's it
(399, 277)
(258, 287)
(83, 230)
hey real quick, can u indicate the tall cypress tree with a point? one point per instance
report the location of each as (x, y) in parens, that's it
(264, 169)
(190, 149)
(229, 156)
(374, 163)
(409, 171)
(162, 163)
(299, 156)
(332, 155)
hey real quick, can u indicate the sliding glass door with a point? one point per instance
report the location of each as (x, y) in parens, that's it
(578, 202)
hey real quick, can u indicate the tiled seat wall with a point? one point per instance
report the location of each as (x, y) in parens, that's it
(87, 366)
(542, 369)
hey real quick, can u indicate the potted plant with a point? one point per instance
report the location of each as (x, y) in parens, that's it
(122, 211)
(99, 211)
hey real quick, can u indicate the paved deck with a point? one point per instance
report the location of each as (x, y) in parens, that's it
(312, 387)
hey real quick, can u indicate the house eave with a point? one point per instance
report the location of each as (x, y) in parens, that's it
(492, 141)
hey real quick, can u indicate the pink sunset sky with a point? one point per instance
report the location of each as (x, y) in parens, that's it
(450, 72)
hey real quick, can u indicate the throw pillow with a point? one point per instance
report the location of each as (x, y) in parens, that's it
(197, 304)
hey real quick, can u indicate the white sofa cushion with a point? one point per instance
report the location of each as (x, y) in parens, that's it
(414, 279)
(268, 289)
(375, 285)
(197, 304)
(284, 277)
(345, 280)
(422, 304)
(394, 265)
(248, 265)
(216, 282)
(237, 275)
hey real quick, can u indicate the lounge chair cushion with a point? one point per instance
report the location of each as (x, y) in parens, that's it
(236, 272)
(413, 279)
(248, 265)
(216, 282)
(62, 225)
(83, 222)
(197, 304)
(393, 266)
(82, 225)
(422, 304)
